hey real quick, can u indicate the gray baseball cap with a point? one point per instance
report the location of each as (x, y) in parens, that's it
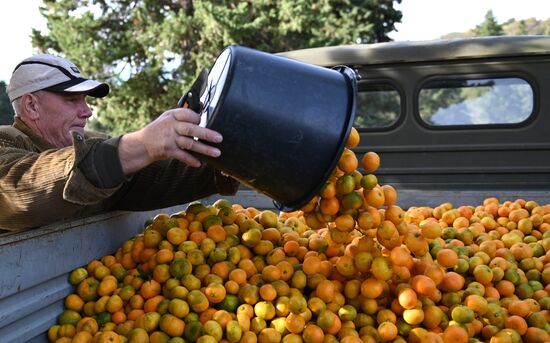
(51, 73)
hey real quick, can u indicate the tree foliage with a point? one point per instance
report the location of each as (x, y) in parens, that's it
(522, 27)
(6, 111)
(489, 27)
(150, 51)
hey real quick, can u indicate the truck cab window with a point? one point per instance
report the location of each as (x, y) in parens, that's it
(488, 101)
(378, 106)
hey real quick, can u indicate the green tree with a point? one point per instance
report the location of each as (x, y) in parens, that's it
(6, 111)
(489, 27)
(150, 51)
(522, 28)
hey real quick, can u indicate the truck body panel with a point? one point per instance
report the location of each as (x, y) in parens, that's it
(36, 265)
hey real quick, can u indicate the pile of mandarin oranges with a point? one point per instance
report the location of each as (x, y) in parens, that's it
(350, 266)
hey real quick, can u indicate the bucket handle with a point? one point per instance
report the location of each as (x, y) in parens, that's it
(191, 98)
(351, 73)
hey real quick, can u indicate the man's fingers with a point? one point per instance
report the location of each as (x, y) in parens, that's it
(187, 158)
(190, 144)
(186, 115)
(191, 130)
(183, 137)
(187, 125)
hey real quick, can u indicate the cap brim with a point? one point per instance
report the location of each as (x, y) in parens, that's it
(90, 87)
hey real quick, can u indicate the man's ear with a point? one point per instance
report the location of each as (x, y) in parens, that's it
(29, 106)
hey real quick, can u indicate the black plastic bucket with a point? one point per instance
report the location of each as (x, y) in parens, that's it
(284, 122)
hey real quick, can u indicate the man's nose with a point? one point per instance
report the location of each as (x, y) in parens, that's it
(85, 110)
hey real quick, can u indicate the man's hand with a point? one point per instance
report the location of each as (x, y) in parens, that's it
(171, 135)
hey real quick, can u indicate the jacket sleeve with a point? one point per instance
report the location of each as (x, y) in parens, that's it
(168, 183)
(161, 184)
(40, 188)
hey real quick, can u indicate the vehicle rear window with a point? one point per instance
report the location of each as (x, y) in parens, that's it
(487, 101)
(378, 106)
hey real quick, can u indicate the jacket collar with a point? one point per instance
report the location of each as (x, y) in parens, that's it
(38, 141)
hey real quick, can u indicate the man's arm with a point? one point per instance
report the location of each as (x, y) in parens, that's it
(164, 172)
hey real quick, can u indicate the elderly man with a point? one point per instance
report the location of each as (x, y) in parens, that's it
(52, 169)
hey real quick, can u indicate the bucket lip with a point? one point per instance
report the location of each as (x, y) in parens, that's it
(210, 117)
(351, 81)
(233, 55)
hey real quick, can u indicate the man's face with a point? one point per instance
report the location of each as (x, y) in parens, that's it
(61, 113)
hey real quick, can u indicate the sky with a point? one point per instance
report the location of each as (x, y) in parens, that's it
(422, 20)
